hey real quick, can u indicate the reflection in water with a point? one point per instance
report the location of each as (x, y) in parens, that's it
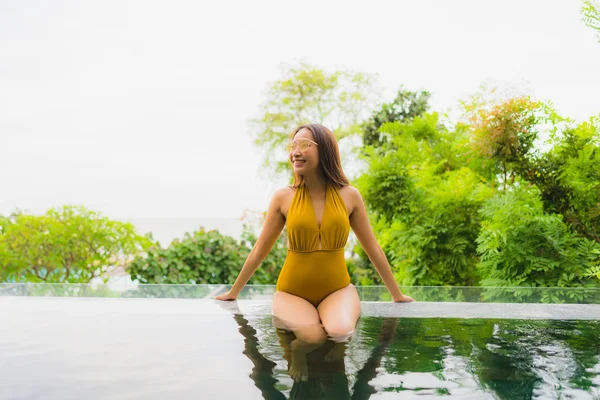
(472, 358)
(325, 365)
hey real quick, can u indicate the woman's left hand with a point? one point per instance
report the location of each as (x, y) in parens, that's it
(404, 299)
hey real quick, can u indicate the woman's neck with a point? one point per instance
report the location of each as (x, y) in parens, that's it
(315, 183)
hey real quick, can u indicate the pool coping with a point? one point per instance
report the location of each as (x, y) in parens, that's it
(83, 305)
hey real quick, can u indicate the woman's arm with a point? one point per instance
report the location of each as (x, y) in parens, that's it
(272, 228)
(359, 221)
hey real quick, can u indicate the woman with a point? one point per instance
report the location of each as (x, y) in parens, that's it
(314, 297)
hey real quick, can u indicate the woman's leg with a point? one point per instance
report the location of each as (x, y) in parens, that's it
(301, 317)
(339, 312)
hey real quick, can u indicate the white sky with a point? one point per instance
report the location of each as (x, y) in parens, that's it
(139, 109)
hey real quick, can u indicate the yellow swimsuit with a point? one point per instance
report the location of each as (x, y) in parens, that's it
(309, 271)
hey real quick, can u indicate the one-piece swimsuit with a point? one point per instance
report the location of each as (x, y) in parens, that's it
(315, 265)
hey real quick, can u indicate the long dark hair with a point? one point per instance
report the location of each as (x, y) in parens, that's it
(329, 156)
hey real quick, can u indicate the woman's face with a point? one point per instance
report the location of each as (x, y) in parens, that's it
(304, 161)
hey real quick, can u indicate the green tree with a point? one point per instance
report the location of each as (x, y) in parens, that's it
(69, 244)
(308, 94)
(504, 134)
(424, 201)
(438, 196)
(521, 245)
(405, 106)
(590, 15)
(569, 177)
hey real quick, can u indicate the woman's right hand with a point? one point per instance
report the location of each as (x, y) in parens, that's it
(404, 299)
(227, 296)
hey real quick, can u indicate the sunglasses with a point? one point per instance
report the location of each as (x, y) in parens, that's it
(302, 144)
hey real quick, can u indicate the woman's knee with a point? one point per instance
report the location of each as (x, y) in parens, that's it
(311, 334)
(340, 331)
(340, 312)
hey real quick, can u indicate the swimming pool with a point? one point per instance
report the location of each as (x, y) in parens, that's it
(62, 343)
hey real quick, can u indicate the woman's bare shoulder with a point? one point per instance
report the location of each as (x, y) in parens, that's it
(282, 199)
(284, 190)
(350, 191)
(351, 196)
(283, 193)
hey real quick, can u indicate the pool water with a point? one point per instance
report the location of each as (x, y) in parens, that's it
(100, 348)
(416, 357)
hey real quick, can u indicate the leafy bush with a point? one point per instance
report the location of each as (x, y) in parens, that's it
(568, 177)
(207, 257)
(200, 257)
(520, 245)
(406, 106)
(424, 205)
(362, 272)
(437, 245)
(428, 189)
(69, 244)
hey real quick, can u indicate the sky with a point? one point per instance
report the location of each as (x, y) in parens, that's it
(139, 109)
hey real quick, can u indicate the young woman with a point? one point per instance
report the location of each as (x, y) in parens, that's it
(314, 297)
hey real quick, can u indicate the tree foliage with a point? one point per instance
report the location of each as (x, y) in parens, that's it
(200, 257)
(208, 257)
(590, 15)
(405, 106)
(66, 245)
(568, 176)
(487, 202)
(520, 244)
(339, 100)
(503, 135)
(424, 202)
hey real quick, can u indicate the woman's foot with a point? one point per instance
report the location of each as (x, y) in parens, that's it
(337, 352)
(298, 368)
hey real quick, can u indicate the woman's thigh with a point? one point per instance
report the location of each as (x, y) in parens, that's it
(299, 316)
(339, 312)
